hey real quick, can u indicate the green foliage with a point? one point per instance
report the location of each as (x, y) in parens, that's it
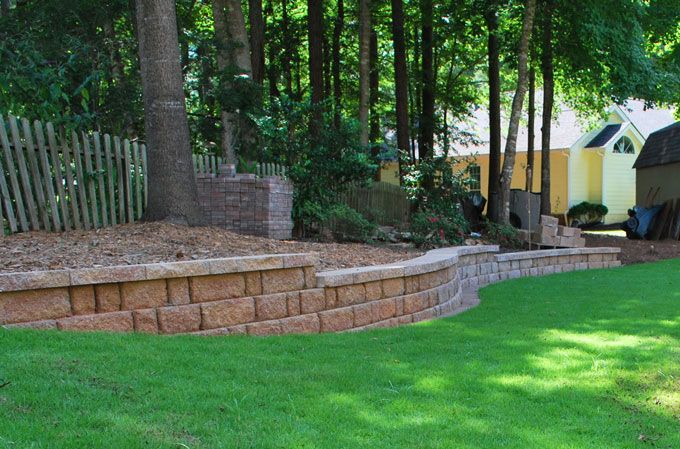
(504, 235)
(586, 209)
(348, 225)
(431, 230)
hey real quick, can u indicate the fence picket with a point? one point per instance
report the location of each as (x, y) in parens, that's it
(109, 179)
(6, 199)
(138, 180)
(47, 174)
(71, 185)
(35, 174)
(58, 177)
(146, 175)
(89, 180)
(121, 179)
(23, 174)
(14, 182)
(99, 172)
(127, 183)
(81, 185)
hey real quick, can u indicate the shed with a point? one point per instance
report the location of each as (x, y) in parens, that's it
(658, 166)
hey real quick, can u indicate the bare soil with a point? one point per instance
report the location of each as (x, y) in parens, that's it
(162, 242)
(637, 251)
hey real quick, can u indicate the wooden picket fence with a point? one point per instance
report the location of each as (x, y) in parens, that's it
(384, 203)
(53, 180)
(209, 163)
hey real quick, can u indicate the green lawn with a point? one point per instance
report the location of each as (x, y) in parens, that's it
(578, 360)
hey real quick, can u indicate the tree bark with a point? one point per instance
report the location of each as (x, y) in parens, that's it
(232, 51)
(374, 131)
(272, 69)
(426, 140)
(337, 86)
(327, 67)
(287, 52)
(172, 186)
(516, 111)
(315, 36)
(256, 39)
(493, 49)
(364, 67)
(4, 7)
(548, 97)
(531, 130)
(400, 80)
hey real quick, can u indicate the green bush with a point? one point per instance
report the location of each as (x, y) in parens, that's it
(348, 225)
(430, 230)
(585, 213)
(502, 234)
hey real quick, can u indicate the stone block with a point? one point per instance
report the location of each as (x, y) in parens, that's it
(143, 294)
(34, 280)
(271, 307)
(363, 314)
(373, 290)
(351, 294)
(265, 328)
(415, 302)
(312, 301)
(228, 312)
(107, 297)
(411, 285)
(331, 298)
(82, 299)
(112, 322)
(217, 287)
(38, 325)
(179, 319)
(34, 305)
(178, 291)
(384, 309)
(305, 324)
(129, 273)
(253, 283)
(285, 280)
(393, 287)
(310, 277)
(336, 320)
(145, 321)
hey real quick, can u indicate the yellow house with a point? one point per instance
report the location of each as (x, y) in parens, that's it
(594, 165)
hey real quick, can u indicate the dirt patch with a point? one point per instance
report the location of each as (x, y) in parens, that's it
(161, 242)
(637, 251)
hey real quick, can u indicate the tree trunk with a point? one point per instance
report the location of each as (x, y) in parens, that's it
(287, 52)
(426, 140)
(548, 94)
(172, 186)
(232, 51)
(494, 113)
(327, 67)
(531, 130)
(364, 67)
(400, 79)
(374, 132)
(4, 7)
(272, 68)
(315, 36)
(256, 39)
(516, 111)
(337, 86)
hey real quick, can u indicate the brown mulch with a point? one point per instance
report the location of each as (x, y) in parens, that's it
(162, 242)
(637, 251)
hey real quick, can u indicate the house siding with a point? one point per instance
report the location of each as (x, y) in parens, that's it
(664, 177)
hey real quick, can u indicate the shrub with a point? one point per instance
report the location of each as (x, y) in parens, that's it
(430, 230)
(502, 234)
(348, 225)
(585, 213)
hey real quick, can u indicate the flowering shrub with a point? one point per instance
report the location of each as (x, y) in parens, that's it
(431, 230)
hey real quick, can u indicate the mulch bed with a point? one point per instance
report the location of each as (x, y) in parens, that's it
(637, 251)
(141, 243)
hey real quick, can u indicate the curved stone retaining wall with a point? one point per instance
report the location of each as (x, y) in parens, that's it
(265, 295)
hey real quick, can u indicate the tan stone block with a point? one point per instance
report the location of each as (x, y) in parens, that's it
(41, 325)
(336, 320)
(393, 287)
(217, 287)
(34, 305)
(415, 303)
(305, 324)
(129, 273)
(424, 315)
(351, 294)
(331, 297)
(310, 277)
(406, 319)
(411, 284)
(264, 328)
(253, 283)
(34, 280)
(432, 298)
(271, 307)
(312, 301)
(293, 299)
(143, 294)
(362, 314)
(373, 290)
(178, 291)
(286, 280)
(113, 322)
(258, 263)
(228, 312)
(107, 297)
(384, 309)
(82, 300)
(145, 321)
(179, 319)
(399, 305)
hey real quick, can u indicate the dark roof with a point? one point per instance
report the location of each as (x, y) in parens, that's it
(604, 136)
(662, 147)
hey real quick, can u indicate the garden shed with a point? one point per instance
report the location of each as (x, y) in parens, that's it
(658, 166)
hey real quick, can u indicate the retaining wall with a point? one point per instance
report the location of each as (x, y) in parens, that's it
(264, 295)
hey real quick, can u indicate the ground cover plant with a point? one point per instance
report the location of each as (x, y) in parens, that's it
(581, 360)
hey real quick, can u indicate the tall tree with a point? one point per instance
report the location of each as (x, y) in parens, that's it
(516, 111)
(400, 79)
(364, 67)
(315, 37)
(493, 49)
(426, 122)
(172, 188)
(4, 7)
(531, 129)
(256, 39)
(337, 84)
(233, 60)
(548, 100)
(374, 97)
(287, 50)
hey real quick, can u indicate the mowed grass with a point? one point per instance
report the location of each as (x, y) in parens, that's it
(579, 360)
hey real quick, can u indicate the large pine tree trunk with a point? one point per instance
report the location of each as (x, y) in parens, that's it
(426, 138)
(233, 50)
(287, 51)
(315, 36)
(374, 133)
(400, 79)
(337, 86)
(516, 111)
(172, 186)
(256, 39)
(531, 130)
(494, 113)
(548, 94)
(272, 48)
(364, 67)
(4, 7)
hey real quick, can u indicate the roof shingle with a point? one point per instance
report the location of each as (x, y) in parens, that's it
(662, 147)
